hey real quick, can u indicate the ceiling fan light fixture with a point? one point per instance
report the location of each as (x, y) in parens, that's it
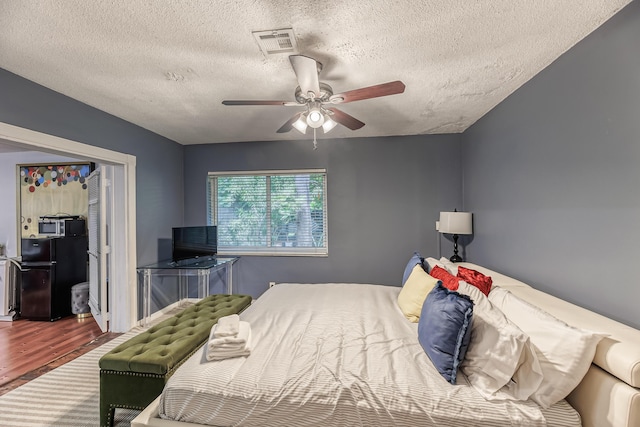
(315, 117)
(301, 124)
(328, 124)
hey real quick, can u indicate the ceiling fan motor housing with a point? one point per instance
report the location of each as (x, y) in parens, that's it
(325, 93)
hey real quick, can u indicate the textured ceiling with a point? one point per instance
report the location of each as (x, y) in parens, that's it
(166, 65)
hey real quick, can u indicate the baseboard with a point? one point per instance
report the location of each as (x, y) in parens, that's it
(9, 317)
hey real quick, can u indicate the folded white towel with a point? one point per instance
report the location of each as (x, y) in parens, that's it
(230, 353)
(226, 351)
(227, 347)
(227, 326)
(212, 357)
(239, 339)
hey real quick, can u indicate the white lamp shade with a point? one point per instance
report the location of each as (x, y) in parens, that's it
(315, 118)
(328, 124)
(456, 223)
(301, 123)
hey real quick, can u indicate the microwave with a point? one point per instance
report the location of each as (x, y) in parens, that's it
(61, 226)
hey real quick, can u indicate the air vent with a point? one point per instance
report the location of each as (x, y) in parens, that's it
(273, 42)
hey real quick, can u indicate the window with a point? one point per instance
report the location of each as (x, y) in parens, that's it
(269, 213)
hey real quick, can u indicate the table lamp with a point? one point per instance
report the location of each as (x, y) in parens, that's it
(456, 223)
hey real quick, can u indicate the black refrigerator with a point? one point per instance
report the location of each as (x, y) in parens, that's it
(50, 267)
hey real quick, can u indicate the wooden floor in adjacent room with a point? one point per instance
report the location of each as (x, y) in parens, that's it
(30, 348)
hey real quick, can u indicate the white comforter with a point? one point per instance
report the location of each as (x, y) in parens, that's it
(335, 355)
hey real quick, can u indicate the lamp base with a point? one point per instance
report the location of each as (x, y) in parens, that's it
(455, 258)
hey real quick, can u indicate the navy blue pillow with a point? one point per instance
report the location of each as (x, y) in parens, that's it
(444, 329)
(415, 259)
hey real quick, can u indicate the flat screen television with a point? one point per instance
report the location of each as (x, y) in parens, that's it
(191, 242)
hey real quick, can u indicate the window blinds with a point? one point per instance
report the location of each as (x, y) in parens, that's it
(281, 212)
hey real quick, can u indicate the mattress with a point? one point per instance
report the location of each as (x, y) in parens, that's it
(335, 354)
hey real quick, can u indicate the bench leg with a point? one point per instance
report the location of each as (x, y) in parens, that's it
(107, 413)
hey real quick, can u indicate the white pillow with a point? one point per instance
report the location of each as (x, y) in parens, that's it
(564, 352)
(452, 267)
(498, 352)
(432, 262)
(414, 292)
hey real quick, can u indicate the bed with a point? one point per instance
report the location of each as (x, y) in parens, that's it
(345, 354)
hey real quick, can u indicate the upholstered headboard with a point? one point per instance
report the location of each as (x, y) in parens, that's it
(609, 394)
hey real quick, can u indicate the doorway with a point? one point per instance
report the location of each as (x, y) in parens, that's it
(122, 284)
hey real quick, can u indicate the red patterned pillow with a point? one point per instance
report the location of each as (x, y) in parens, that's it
(476, 279)
(449, 281)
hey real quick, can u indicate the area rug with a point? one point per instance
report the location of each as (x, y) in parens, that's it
(67, 396)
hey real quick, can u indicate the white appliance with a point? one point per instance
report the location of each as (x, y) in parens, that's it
(8, 279)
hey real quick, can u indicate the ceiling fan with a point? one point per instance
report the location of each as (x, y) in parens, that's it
(318, 99)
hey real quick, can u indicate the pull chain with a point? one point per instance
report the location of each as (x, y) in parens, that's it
(315, 141)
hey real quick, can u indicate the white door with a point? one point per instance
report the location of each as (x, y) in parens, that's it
(98, 248)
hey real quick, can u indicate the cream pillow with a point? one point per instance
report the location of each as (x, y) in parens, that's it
(498, 352)
(414, 292)
(565, 353)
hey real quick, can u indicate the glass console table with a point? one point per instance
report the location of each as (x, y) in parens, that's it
(200, 267)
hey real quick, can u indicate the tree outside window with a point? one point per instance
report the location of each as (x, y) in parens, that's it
(278, 213)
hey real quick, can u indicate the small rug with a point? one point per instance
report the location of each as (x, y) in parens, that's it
(67, 396)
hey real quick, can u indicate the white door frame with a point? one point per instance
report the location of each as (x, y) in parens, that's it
(123, 295)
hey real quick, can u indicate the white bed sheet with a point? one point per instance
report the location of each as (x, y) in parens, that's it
(335, 354)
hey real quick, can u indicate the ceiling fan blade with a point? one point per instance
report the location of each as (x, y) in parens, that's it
(306, 70)
(345, 119)
(368, 92)
(254, 102)
(289, 124)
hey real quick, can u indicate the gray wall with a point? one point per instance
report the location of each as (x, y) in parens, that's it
(159, 169)
(384, 196)
(552, 175)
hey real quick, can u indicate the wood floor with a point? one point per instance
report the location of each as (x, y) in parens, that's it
(26, 346)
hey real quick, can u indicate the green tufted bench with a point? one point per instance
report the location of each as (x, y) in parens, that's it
(134, 373)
